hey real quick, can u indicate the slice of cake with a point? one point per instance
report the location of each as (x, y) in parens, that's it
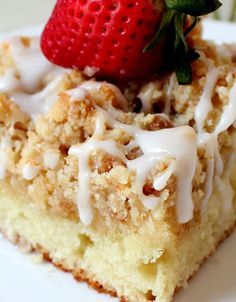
(130, 202)
(127, 184)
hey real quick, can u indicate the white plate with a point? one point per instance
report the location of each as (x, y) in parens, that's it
(23, 280)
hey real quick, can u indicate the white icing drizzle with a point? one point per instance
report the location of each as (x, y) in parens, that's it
(205, 106)
(150, 93)
(50, 159)
(77, 94)
(147, 94)
(169, 94)
(83, 152)
(94, 86)
(30, 62)
(29, 171)
(210, 140)
(180, 148)
(179, 143)
(38, 103)
(8, 81)
(90, 71)
(209, 143)
(228, 116)
(161, 182)
(22, 83)
(5, 144)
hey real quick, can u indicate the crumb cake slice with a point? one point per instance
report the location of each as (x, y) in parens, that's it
(130, 202)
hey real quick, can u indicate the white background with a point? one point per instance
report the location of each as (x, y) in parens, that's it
(15, 13)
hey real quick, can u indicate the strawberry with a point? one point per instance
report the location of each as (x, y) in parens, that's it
(108, 35)
(112, 36)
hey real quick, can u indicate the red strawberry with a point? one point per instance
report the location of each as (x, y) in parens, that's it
(111, 35)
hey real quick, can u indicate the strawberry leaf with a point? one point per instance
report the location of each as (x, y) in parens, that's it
(172, 34)
(183, 72)
(162, 32)
(192, 26)
(194, 7)
(182, 64)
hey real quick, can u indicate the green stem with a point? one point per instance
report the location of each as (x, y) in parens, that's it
(194, 7)
(162, 32)
(172, 34)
